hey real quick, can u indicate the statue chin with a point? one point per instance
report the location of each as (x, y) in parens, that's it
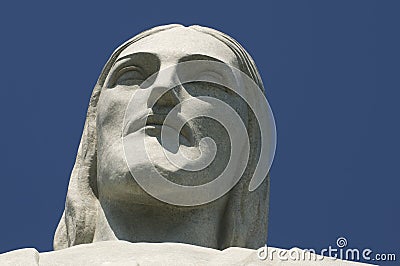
(116, 182)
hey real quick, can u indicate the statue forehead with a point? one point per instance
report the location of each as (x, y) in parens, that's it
(176, 43)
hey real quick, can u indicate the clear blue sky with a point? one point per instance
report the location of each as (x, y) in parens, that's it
(331, 73)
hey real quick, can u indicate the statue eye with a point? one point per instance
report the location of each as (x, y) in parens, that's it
(129, 76)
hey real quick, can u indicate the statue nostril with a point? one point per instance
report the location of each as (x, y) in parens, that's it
(164, 101)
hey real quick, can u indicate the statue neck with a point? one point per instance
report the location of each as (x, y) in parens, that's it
(132, 222)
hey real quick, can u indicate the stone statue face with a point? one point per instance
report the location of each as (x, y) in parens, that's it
(143, 60)
(148, 80)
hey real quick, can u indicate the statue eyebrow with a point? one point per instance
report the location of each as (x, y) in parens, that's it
(128, 59)
(191, 57)
(130, 56)
(194, 57)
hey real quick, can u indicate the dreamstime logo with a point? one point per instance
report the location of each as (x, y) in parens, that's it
(341, 242)
(339, 252)
(214, 75)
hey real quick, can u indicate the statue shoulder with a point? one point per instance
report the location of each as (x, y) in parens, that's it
(25, 256)
(125, 253)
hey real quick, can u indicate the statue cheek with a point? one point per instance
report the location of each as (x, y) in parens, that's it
(110, 111)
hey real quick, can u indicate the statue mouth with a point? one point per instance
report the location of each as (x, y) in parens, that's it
(152, 125)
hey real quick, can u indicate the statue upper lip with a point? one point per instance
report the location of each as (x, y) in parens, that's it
(157, 121)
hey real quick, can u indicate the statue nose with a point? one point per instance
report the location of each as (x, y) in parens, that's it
(163, 92)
